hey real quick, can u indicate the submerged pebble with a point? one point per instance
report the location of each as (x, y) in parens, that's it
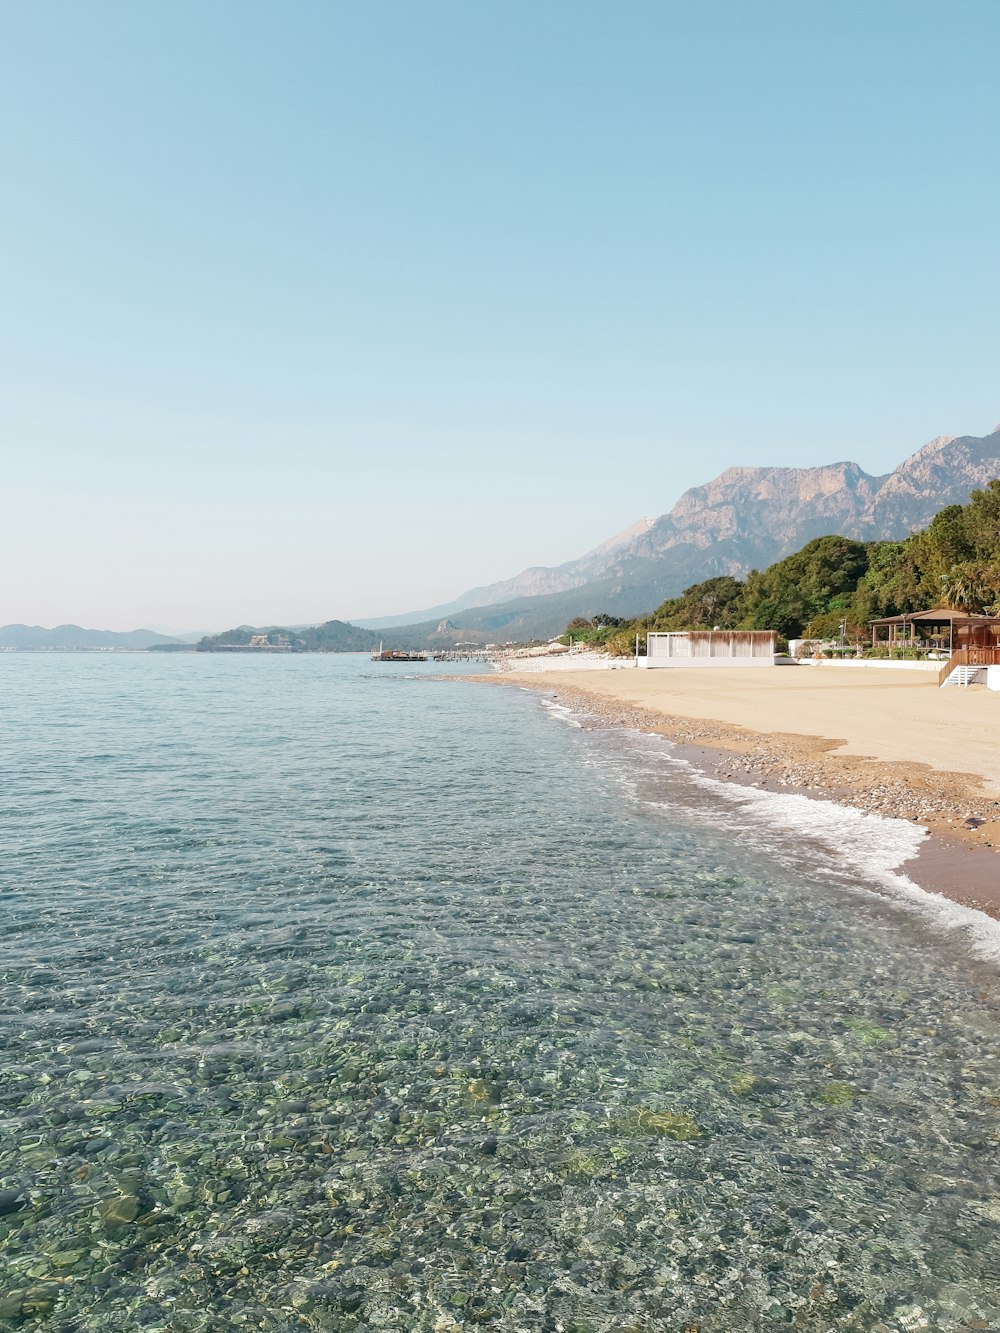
(516, 1032)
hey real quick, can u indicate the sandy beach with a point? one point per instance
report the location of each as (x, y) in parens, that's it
(887, 742)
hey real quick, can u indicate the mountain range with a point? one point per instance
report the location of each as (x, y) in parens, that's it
(746, 518)
(74, 638)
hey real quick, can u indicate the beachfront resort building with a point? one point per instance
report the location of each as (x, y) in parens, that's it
(968, 645)
(710, 648)
(941, 630)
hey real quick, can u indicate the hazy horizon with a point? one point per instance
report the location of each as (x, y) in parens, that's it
(367, 618)
(336, 311)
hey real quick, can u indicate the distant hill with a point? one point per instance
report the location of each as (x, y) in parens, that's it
(333, 636)
(535, 582)
(189, 636)
(746, 518)
(72, 638)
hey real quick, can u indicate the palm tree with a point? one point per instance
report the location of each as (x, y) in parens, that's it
(970, 586)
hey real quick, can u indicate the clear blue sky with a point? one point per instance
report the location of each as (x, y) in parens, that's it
(325, 309)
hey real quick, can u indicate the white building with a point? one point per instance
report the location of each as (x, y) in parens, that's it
(711, 648)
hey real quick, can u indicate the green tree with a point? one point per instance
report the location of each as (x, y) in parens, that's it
(973, 585)
(893, 583)
(715, 602)
(982, 524)
(621, 643)
(820, 578)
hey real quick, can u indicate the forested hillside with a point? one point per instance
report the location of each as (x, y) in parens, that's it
(955, 562)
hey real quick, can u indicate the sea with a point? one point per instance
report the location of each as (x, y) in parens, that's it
(342, 995)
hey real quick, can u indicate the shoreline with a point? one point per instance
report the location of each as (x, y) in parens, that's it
(960, 857)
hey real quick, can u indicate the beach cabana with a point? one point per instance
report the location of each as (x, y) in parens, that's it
(710, 648)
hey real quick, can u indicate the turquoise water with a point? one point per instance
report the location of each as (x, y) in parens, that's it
(339, 997)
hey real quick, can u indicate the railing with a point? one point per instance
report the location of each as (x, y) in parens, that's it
(957, 659)
(974, 657)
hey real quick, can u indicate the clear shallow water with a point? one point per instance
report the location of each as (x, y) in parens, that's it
(336, 998)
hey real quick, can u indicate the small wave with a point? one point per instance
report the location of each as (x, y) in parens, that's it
(562, 712)
(865, 851)
(871, 848)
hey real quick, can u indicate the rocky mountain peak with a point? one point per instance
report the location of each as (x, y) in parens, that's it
(935, 446)
(745, 518)
(634, 530)
(943, 472)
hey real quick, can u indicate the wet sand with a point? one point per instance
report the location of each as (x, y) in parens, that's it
(886, 742)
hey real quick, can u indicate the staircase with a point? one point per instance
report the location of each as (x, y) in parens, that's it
(966, 664)
(964, 675)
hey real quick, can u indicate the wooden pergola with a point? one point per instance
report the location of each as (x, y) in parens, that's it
(941, 629)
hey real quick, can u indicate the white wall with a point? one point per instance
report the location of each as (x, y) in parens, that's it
(700, 663)
(871, 663)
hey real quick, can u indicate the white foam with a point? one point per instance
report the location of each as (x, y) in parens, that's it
(866, 850)
(561, 712)
(872, 846)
